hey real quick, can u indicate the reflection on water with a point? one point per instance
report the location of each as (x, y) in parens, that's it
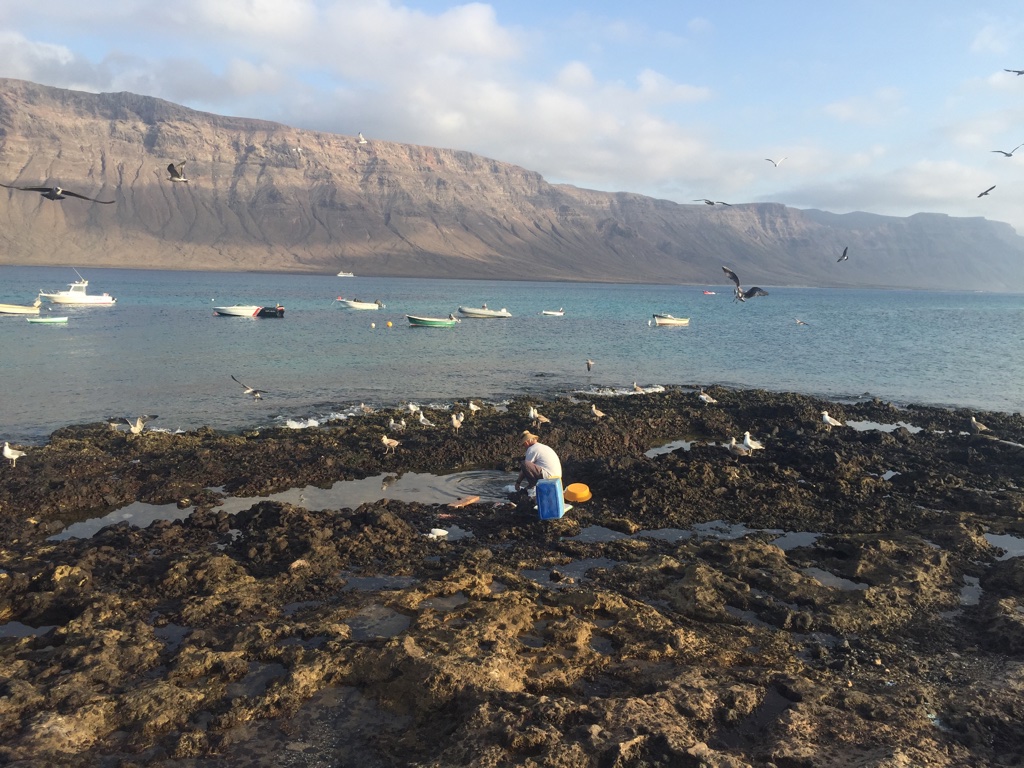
(489, 485)
(831, 580)
(1014, 545)
(675, 445)
(137, 513)
(865, 426)
(422, 488)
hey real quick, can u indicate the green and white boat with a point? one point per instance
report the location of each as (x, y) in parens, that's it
(432, 322)
(48, 320)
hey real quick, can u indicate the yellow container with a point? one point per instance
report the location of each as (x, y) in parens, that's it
(577, 493)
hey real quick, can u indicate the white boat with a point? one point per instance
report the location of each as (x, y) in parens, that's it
(345, 274)
(48, 320)
(553, 312)
(21, 309)
(76, 294)
(249, 310)
(483, 312)
(665, 319)
(354, 304)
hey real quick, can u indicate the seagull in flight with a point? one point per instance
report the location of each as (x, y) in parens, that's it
(177, 172)
(361, 139)
(136, 427)
(987, 191)
(1007, 154)
(1015, 71)
(799, 321)
(710, 202)
(57, 193)
(12, 454)
(844, 257)
(257, 394)
(742, 295)
(776, 163)
(590, 365)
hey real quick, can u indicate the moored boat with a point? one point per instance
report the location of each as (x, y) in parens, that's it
(77, 294)
(553, 312)
(666, 319)
(483, 312)
(356, 304)
(47, 320)
(21, 309)
(249, 310)
(432, 322)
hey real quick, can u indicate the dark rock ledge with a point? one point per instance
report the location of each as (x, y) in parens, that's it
(893, 638)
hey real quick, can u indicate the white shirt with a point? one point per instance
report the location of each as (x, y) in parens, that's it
(544, 457)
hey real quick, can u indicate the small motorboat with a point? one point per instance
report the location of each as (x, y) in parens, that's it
(709, 293)
(247, 310)
(21, 309)
(356, 304)
(483, 312)
(77, 294)
(345, 274)
(48, 320)
(553, 312)
(432, 322)
(666, 319)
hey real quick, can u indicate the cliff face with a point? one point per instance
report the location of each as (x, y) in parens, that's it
(264, 196)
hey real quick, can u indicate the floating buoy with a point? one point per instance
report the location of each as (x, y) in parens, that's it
(389, 323)
(373, 325)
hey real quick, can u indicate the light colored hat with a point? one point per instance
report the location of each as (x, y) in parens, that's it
(528, 435)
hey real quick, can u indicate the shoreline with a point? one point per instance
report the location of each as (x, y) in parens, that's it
(893, 635)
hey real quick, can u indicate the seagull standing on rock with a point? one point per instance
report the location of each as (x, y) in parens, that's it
(977, 427)
(751, 444)
(12, 453)
(390, 443)
(424, 420)
(829, 422)
(597, 413)
(706, 398)
(736, 449)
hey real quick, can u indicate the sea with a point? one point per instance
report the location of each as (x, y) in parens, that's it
(161, 351)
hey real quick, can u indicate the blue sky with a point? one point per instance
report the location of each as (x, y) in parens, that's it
(887, 107)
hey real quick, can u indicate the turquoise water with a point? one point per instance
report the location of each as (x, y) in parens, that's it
(160, 350)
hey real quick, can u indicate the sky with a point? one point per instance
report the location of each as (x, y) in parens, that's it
(891, 106)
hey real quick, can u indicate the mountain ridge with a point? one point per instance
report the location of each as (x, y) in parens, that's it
(264, 196)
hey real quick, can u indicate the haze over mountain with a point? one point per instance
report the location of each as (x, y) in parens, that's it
(264, 196)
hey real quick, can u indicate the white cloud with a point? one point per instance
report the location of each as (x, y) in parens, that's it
(880, 107)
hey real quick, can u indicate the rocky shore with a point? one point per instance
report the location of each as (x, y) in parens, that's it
(667, 621)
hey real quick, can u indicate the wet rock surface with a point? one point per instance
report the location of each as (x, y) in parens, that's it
(657, 624)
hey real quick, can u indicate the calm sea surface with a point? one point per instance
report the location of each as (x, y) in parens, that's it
(160, 350)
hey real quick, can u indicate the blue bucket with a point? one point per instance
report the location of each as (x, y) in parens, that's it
(550, 504)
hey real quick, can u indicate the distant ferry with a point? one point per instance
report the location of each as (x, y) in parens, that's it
(709, 293)
(345, 274)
